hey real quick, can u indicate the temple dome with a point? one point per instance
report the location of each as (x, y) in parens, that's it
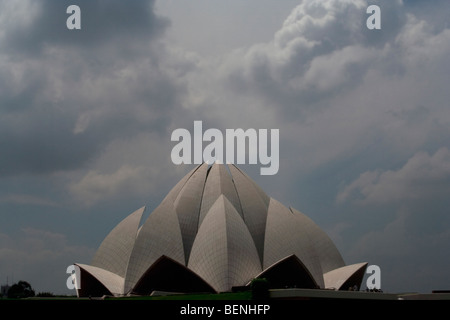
(215, 230)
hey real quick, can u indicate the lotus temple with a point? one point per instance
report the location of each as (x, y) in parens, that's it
(215, 231)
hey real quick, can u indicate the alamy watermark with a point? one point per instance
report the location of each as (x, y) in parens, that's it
(374, 280)
(237, 147)
(373, 22)
(73, 22)
(74, 280)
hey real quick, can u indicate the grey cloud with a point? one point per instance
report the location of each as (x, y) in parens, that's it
(26, 199)
(127, 169)
(322, 50)
(407, 211)
(423, 177)
(411, 250)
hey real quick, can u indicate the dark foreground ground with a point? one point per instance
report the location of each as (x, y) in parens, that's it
(281, 304)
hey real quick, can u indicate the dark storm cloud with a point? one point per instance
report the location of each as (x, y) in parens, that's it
(41, 143)
(112, 23)
(66, 94)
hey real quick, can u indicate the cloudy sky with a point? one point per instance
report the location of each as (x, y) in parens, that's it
(86, 118)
